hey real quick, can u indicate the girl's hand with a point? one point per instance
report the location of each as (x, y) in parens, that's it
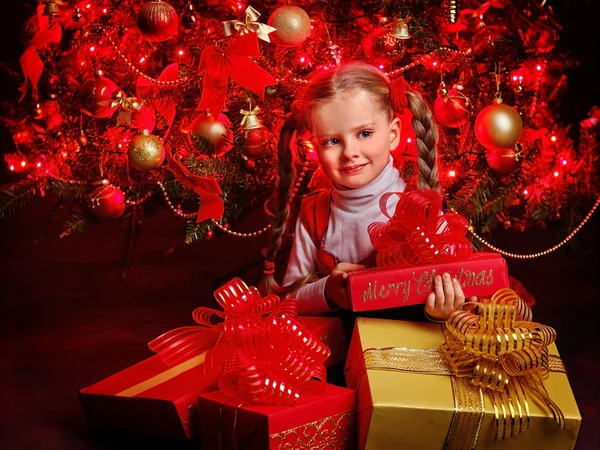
(336, 286)
(446, 297)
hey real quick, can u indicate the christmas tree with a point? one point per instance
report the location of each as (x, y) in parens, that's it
(126, 103)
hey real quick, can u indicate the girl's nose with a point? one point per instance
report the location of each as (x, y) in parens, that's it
(350, 150)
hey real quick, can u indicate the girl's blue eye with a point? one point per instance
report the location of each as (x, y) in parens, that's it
(365, 134)
(330, 142)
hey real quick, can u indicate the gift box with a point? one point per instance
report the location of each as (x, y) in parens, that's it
(405, 394)
(151, 398)
(315, 421)
(480, 274)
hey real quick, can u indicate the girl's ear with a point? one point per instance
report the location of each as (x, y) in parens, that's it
(395, 127)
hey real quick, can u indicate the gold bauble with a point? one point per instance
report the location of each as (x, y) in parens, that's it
(146, 152)
(498, 126)
(292, 24)
(158, 21)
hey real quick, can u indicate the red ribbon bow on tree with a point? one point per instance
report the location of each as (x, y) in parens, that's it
(207, 188)
(275, 363)
(419, 233)
(243, 308)
(164, 105)
(233, 62)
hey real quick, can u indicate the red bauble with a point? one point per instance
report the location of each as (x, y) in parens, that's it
(382, 48)
(158, 21)
(503, 161)
(96, 96)
(107, 202)
(452, 110)
(211, 137)
(256, 143)
(48, 113)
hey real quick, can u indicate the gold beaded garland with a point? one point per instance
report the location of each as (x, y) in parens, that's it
(538, 254)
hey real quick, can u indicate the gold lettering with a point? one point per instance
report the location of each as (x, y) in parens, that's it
(480, 278)
(424, 282)
(469, 278)
(489, 280)
(370, 293)
(383, 293)
(406, 291)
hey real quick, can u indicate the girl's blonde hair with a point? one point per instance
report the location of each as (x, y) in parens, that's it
(344, 80)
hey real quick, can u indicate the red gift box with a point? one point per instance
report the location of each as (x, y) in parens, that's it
(152, 398)
(330, 331)
(481, 274)
(315, 421)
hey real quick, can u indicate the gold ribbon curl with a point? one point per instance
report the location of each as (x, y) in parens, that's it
(501, 350)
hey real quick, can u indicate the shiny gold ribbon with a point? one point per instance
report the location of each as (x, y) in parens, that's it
(469, 409)
(500, 350)
(250, 121)
(250, 25)
(124, 102)
(162, 377)
(125, 105)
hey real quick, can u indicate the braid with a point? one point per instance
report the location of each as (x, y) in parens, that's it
(427, 135)
(285, 171)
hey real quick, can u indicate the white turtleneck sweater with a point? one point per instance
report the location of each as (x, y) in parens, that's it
(352, 211)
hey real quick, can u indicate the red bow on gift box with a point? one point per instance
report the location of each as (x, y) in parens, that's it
(274, 363)
(419, 233)
(233, 62)
(243, 307)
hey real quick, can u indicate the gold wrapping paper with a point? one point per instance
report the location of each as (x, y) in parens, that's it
(416, 410)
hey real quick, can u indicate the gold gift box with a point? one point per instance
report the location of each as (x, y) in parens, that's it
(399, 409)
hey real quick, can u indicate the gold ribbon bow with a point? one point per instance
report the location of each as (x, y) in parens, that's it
(124, 102)
(502, 351)
(250, 121)
(125, 105)
(250, 25)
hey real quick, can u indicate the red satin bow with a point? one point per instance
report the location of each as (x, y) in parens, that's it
(418, 233)
(275, 363)
(233, 62)
(207, 188)
(165, 106)
(243, 308)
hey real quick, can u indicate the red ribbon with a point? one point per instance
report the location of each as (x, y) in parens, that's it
(233, 62)
(419, 233)
(207, 188)
(274, 363)
(165, 106)
(31, 63)
(243, 308)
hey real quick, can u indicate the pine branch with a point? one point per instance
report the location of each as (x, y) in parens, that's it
(75, 224)
(68, 191)
(17, 196)
(195, 232)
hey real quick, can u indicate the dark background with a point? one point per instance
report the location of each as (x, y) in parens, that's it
(69, 319)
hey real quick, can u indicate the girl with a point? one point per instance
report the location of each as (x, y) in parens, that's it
(349, 112)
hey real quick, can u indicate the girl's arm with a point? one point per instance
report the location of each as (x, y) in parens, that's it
(302, 264)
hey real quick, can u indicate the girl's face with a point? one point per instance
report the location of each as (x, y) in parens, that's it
(353, 139)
